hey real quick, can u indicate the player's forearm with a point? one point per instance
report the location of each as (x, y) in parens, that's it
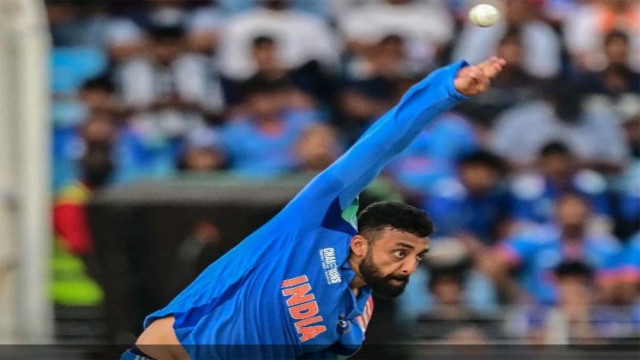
(395, 130)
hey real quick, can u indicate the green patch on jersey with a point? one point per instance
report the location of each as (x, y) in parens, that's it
(350, 214)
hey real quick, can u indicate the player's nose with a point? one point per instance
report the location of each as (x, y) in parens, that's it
(409, 267)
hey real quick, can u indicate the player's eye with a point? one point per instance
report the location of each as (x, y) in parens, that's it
(420, 257)
(400, 254)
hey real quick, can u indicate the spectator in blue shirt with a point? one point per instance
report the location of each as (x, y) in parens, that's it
(534, 194)
(536, 251)
(475, 204)
(261, 143)
(202, 151)
(432, 155)
(574, 310)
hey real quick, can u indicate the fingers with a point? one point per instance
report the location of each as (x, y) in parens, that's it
(492, 67)
(479, 79)
(476, 79)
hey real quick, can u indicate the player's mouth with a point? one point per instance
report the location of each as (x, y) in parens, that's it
(397, 282)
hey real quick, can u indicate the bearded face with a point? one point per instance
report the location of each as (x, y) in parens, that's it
(384, 286)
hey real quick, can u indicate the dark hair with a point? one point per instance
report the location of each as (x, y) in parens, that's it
(615, 35)
(555, 148)
(485, 158)
(513, 34)
(97, 164)
(567, 97)
(263, 40)
(100, 83)
(399, 216)
(573, 268)
(258, 85)
(164, 33)
(437, 276)
(392, 38)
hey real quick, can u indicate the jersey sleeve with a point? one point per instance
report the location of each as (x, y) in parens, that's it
(341, 182)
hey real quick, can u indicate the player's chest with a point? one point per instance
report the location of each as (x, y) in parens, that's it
(322, 313)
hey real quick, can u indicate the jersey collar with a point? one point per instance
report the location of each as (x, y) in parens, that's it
(357, 302)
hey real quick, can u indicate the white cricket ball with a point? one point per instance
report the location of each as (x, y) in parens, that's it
(484, 15)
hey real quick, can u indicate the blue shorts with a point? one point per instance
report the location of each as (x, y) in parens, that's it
(135, 354)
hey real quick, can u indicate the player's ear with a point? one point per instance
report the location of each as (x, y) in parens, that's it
(359, 245)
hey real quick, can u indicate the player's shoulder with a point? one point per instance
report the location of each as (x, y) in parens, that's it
(604, 242)
(537, 235)
(449, 188)
(590, 182)
(527, 186)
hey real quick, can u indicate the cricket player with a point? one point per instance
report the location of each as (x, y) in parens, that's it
(301, 285)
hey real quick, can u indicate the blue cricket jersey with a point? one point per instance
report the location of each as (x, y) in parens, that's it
(540, 249)
(283, 292)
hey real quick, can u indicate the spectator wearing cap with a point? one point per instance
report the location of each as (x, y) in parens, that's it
(204, 28)
(537, 250)
(595, 136)
(302, 37)
(535, 193)
(475, 203)
(261, 142)
(318, 147)
(541, 44)
(202, 151)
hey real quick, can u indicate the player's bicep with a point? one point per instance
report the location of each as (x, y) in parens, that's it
(311, 204)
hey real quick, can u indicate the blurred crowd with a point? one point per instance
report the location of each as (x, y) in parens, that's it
(534, 186)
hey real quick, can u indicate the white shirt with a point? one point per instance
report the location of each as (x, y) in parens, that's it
(424, 26)
(300, 37)
(540, 43)
(520, 133)
(141, 82)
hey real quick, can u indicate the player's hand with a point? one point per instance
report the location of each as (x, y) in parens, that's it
(476, 79)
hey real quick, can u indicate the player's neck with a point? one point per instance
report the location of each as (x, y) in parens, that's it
(357, 281)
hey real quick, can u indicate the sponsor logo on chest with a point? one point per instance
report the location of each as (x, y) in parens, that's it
(328, 259)
(303, 307)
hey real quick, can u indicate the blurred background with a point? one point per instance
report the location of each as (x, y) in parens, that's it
(140, 140)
